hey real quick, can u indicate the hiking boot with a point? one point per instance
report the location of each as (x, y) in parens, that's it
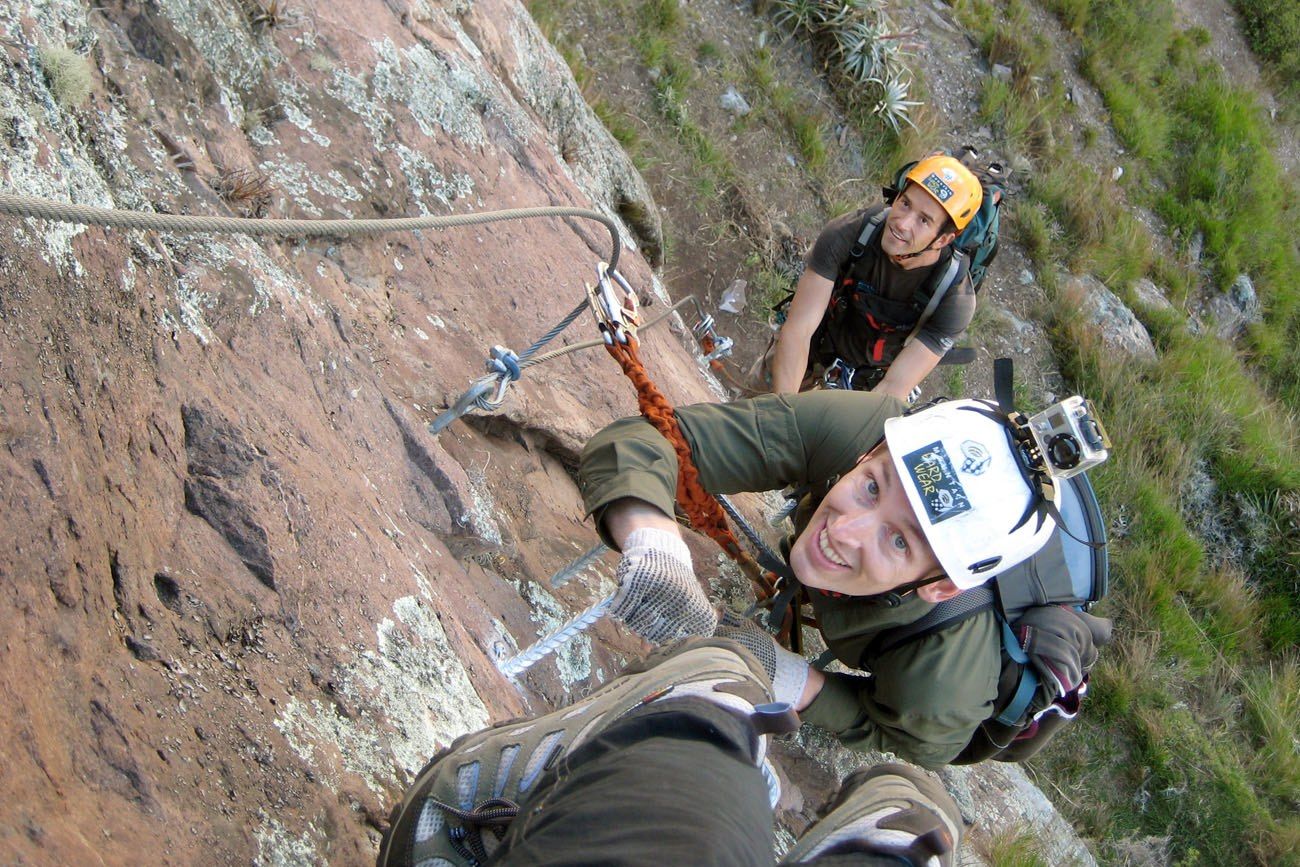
(476, 784)
(892, 810)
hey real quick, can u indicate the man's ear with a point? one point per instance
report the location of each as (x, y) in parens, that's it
(939, 591)
(944, 240)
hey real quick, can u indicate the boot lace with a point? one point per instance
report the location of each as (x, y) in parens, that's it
(494, 814)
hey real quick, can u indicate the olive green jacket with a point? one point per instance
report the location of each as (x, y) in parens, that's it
(923, 700)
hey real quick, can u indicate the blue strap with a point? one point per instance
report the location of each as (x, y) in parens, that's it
(1028, 685)
(504, 362)
(1020, 701)
(1011, 643)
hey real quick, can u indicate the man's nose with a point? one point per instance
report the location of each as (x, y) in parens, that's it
(854, 526)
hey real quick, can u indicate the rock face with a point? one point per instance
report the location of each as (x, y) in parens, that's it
(1115, 323)
(246, 594)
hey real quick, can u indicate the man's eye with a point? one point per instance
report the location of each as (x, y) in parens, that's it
(873, 489)
(900, 543)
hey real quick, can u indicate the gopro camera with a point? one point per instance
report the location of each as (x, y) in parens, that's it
(1069, 437)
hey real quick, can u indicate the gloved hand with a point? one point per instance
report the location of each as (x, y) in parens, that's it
(1062, 643)
(788, 671)
(659, 597)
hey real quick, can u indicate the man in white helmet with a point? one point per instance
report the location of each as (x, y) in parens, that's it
(916, 510)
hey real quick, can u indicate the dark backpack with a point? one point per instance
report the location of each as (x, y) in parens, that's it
(1072, 569)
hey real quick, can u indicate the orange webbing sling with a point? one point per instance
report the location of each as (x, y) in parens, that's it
(703, 512)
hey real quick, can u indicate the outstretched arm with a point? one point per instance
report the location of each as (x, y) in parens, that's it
(790, 361)
(911, 366)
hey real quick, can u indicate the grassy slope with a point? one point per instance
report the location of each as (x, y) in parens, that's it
(1191, 733)
(1195, 710)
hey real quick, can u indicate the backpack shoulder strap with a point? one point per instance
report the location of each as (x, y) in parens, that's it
(943, 616)
(866, 235)
(953, 272)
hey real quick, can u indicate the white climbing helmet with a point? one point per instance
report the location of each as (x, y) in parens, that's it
(979, 506)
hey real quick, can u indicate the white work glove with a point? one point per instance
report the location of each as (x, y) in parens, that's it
(788, 671)
(658, 596)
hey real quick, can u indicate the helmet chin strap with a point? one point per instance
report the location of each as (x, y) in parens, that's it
(921, 252)
(894, 597)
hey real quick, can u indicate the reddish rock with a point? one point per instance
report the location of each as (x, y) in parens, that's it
(246, 593)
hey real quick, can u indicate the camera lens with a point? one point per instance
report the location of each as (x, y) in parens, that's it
(1064, 452)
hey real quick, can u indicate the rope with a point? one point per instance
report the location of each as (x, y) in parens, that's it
(749, 532)
(88, 215)
(521, 662)
(577, 567)
(703, 512)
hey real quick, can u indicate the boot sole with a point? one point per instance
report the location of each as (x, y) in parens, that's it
(658, 657)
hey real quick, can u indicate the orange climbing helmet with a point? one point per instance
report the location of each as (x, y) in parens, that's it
(952, 185)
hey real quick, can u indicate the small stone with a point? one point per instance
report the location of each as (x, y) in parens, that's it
(1150, 294)
(1001, 73)
(1026, 276)
(733, 102)
(1117, 173)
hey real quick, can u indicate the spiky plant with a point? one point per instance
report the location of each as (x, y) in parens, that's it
(861, 49)
(894, 104)
(799, 14)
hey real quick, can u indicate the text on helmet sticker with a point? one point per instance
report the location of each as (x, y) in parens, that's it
(936, 481)
(937, 187)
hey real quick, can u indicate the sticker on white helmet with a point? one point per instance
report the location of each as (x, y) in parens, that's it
(936, 481)
(977, 458)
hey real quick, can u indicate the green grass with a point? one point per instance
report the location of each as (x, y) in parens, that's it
(68, 75)
(1273, 28)
(1016, 849)
(806, 128)
(1193, 706)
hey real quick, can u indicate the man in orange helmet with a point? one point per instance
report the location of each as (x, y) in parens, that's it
(882, 298)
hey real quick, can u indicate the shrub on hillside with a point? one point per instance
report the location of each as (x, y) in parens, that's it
(1273, 28)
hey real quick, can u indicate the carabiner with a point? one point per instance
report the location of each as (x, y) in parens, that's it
(618, 317)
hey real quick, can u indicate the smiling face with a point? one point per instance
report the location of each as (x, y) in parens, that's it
(914, 222)
(864, 538)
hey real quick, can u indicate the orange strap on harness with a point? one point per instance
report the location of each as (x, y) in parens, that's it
(701, 509)
(618, 320)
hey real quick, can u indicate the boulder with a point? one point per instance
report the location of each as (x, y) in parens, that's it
(1118, 327)
(1151, 295)
(1234, 311)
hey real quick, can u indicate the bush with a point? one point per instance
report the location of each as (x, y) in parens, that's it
(1273, 28)
(68, 75)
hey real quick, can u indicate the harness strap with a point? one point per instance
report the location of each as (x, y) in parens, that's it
(956, 267)
(1028, 684)
(948, 613)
